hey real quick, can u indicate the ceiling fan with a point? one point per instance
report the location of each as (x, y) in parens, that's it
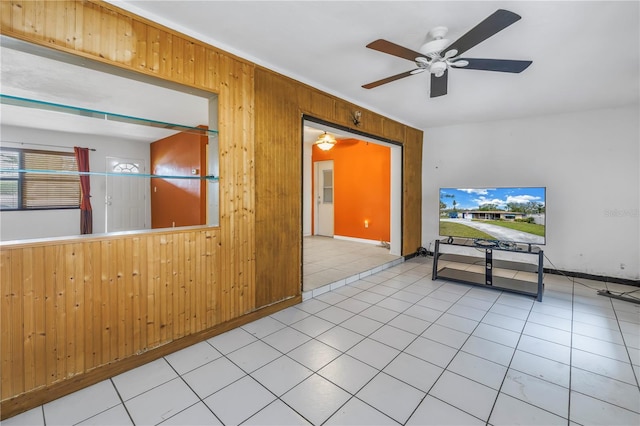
(439, 55)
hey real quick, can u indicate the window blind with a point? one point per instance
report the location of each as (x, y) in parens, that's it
(37, 189)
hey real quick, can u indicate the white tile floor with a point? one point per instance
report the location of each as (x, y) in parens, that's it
(328, 260)
(392, 348)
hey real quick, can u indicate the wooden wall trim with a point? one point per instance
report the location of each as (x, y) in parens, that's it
(87, 238)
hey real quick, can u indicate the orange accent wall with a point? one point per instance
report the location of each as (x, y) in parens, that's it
(362, 188)
(178, 202)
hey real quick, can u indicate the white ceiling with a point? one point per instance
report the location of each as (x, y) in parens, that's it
(585, 53)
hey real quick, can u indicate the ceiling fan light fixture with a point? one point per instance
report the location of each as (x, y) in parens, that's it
(459, 63)
(438, 68)
(450, 53)
(325, 142)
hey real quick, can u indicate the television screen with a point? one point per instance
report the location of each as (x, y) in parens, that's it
(509, 214)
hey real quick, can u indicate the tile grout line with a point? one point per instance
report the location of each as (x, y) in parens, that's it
(514, 351)
(379, 371)
(334, 325)
(459, 350)
(509, 368)
(625, 342)
(450, 361)
(313, 372)
(515, 348)
(121, 400)
(368, 337)
(396, 356)
(571, 367)
(592, 372)
(248, 374)
(192, 390)
(573, 292)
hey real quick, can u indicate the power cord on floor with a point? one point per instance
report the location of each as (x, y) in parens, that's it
(604, 291)
(425, 252)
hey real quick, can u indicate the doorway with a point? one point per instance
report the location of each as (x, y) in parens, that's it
(126, 199)
(329, 256)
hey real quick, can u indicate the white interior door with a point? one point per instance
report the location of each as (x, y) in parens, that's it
(324, 198)
(126, 200)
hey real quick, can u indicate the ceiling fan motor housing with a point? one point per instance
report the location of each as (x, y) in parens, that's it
(437, 43)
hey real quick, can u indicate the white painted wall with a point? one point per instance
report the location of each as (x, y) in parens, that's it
(589, 162)
(56, 223)
(307, 196)
(396, 201)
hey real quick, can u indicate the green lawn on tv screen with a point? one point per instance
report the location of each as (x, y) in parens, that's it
(462, 231)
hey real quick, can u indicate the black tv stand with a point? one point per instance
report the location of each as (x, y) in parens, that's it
(478, 266)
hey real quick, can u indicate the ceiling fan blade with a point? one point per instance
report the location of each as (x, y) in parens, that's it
(502, 65)
(385, 46)
(439, 85)
(389, 79)
(495, 23)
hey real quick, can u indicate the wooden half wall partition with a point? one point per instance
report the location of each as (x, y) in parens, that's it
(78, 310)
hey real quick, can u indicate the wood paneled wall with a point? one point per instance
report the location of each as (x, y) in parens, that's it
(77, 306)
(278, 185)
(412, 191)
(70, 307)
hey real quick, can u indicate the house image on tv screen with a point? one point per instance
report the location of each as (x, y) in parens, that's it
(492, 215)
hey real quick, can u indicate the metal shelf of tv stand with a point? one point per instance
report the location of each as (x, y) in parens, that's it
(489, 278)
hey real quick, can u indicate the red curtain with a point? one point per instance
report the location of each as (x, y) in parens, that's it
(86, 216)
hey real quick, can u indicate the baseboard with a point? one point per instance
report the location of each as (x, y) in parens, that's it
(410, 256)
(602, 278)
(356, 240)
(24, 402)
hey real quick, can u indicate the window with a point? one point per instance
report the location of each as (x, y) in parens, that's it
(126, 168)
(327, 188)
(34, 188)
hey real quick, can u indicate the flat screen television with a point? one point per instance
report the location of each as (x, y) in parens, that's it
(506, 214)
